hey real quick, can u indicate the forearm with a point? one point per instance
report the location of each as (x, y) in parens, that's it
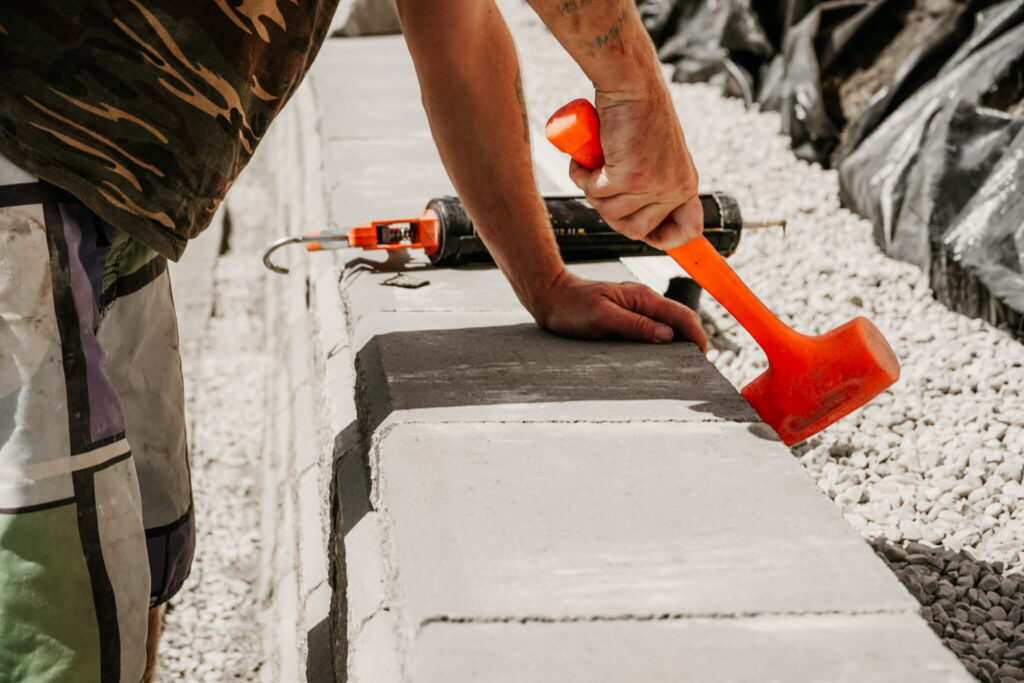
(647, 187)
(606, 38)
(472, 93)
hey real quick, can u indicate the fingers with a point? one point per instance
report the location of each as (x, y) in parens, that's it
(641, 224)
(621, 208)
(643, 300)
(629, 325)
(594, 182)
(588, 310)
(685, 223)
(655, 224)
(635, 215)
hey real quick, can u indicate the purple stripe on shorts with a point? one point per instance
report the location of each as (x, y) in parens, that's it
(106, 417)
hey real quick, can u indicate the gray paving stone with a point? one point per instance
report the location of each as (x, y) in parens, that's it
(370, 90)
(522, 364)
(559, 521)
(837, 649)
(288, 615)
(365, 570)
(373, 324)
(373, 658)
(463, 289)
(312, 556)
(381, 179)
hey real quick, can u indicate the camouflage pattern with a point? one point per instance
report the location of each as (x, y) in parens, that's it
(147, 110)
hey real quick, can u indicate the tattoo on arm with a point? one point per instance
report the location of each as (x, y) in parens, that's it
(521, 98)
(571, 6)
(610, 36)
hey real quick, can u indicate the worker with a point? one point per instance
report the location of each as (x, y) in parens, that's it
(122, 126)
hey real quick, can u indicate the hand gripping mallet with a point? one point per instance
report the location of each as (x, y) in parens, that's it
(810, 382)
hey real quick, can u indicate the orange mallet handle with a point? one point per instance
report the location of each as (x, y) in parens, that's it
(811, 381)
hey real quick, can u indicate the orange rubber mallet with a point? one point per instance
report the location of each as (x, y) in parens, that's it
(810, 382)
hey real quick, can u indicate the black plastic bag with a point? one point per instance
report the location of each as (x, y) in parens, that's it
(978, 269)
(900, 173)
(921, 66)
(709, 41)
(802, 83)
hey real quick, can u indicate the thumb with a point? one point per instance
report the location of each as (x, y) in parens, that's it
(581, 176)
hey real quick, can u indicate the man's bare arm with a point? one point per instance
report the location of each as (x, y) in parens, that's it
(472, 92)
(647, 188)
(473, 96)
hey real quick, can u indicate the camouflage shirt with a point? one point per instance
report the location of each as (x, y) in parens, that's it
(147, 110)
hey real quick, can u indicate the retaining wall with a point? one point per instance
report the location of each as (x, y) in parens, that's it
(451, 494)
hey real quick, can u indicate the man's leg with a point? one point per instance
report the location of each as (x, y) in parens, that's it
(156, 626)
(140, 335)
(73, 601)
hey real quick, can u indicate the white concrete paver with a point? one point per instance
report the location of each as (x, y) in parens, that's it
(581, 521)
(761, 650)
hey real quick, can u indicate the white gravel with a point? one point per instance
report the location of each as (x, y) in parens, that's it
(938, 458)
(212, 631)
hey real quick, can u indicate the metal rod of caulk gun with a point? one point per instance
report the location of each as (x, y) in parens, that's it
(300, 239)
(762, 222)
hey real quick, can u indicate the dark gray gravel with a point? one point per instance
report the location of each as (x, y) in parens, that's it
(972, 605)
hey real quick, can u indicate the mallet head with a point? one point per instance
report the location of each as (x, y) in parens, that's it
(814, 381)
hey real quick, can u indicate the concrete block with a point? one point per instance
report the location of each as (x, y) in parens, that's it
(307, 449)
(464, 289)
(365, 571)
(281, 453)
(373, 655)
(312, 543)
(319, 636)
(293, 299)
(317, 606)
(336, 354)
(881, 648)
(562, 521)
(375, 113)
(362, 82)
(381, 179)
(286, 549)
(286, 594)
(374, 324)
(521, 364)
(595, 412)
(270, 514)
